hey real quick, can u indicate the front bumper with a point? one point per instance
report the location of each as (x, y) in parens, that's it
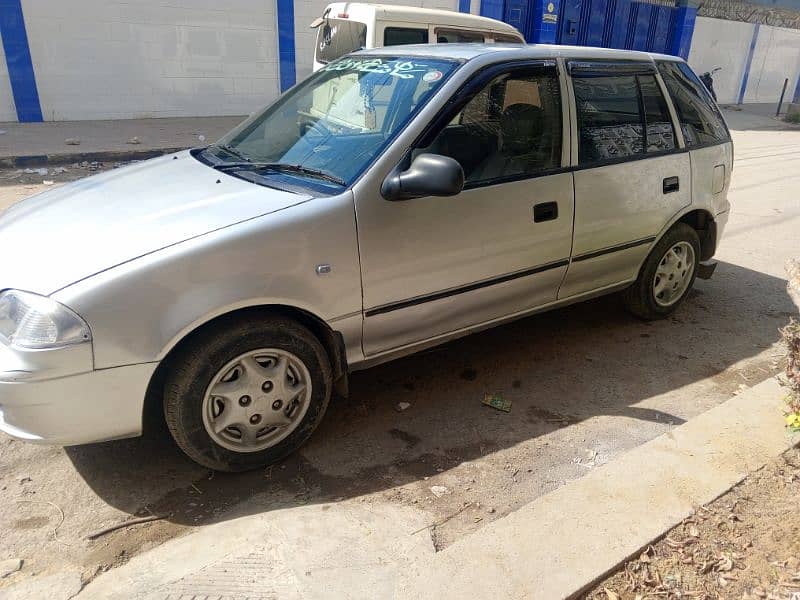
(49, 406)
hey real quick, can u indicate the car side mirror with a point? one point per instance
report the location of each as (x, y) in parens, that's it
(428, 175)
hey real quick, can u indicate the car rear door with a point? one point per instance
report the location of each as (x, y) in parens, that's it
(631, 174)
(436, 265)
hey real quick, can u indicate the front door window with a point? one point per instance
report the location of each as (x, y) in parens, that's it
(511, 129)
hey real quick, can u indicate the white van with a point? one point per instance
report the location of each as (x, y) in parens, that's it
(348, 26)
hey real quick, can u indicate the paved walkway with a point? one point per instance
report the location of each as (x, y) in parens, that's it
(49, 138)
(553, 547)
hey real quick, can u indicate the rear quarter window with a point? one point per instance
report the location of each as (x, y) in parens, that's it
(700, 119)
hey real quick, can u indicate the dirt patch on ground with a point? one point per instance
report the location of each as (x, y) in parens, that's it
(17, 184)
(745, 544)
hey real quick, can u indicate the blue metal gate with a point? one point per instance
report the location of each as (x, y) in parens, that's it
(629, 24)
(515, 12)
(653, 25)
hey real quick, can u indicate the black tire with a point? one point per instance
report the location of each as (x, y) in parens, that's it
(191, 370)
(640, 299)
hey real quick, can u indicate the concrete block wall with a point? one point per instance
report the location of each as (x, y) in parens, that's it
(121, 59)
(776, 57)
(110, 59)
(118, 59)
(718, 43)
(755, 59)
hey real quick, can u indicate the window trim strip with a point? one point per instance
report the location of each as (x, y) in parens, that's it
(609, 69)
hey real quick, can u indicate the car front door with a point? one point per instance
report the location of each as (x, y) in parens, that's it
(631, 178)
(436, 265)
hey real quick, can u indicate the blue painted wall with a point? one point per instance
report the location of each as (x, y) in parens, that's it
(18, 62)
(286, 47)
(749, 62)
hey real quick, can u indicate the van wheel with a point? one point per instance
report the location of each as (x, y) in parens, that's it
(666, 276)
(245, 393)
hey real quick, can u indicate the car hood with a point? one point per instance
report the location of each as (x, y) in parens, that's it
(69, 233)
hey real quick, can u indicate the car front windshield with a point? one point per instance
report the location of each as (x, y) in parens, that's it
(332, 126)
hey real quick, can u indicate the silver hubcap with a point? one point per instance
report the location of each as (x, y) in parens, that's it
(256, 400)
(673, 274)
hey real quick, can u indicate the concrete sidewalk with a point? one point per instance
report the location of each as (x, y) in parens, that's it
(554, 547)
(24, 144)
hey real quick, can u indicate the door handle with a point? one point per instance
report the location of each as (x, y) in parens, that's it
(671, 184)
(546, 211)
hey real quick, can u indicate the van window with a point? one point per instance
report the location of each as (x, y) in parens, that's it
(400, 36)
(609, 118)
(458, 36)
(511, 129)
(699, 117)
(337, 37)
(660, 133)
(502, 38)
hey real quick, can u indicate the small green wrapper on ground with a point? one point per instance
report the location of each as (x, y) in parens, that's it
(497, 401)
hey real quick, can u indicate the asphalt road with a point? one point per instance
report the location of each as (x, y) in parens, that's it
(587, 383)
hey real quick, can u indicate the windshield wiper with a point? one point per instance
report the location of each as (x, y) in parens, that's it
(282, 167)
(233, 152)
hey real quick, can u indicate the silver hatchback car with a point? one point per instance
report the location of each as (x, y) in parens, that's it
(394, 200)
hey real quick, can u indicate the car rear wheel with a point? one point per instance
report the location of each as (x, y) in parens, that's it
(245, 393)
(666, 276)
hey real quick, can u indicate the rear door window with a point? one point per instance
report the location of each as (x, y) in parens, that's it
(337, 37)
(609, 118)
(619, 116)
(699, 117)
(458, 36)
(400, 36)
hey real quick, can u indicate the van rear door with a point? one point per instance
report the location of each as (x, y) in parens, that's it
(337, 37)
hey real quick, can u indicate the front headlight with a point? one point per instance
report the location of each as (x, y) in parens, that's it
(31, 321)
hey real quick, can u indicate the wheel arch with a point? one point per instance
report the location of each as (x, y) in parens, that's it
(702, 221)
(331, 340)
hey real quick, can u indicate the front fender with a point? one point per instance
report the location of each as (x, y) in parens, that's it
(139, 310)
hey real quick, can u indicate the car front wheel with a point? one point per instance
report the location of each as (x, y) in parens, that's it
(666, 276)
(245, 393)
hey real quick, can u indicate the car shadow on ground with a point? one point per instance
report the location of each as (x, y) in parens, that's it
(559, 368)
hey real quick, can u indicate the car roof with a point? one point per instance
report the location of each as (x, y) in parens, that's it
(515, 51)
